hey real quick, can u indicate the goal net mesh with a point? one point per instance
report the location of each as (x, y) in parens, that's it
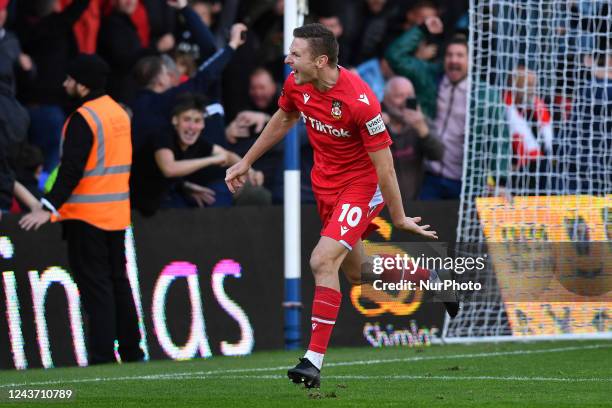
(538, 157)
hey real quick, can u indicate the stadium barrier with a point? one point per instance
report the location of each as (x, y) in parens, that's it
(204, 282)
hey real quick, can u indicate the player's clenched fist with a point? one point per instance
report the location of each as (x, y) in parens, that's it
(236, 176)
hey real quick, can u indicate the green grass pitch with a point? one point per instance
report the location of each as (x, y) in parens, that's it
(539, 374)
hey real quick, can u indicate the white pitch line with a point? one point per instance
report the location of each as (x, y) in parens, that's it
(403, 360)
(204, 374)
(405, 377)
(163, 377)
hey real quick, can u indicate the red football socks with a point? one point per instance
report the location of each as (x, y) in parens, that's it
(325, 308)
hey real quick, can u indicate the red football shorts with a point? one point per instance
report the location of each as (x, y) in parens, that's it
(347, 216)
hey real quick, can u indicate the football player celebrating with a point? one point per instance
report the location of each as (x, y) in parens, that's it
(352, 177)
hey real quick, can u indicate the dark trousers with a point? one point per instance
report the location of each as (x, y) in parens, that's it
(97, 261)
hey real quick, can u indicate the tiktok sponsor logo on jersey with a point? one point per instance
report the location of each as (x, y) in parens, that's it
(324, 127)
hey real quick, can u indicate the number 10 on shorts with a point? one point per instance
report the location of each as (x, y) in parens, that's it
(352, 215)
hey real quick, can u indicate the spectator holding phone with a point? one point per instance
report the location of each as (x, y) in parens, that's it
(413, 135)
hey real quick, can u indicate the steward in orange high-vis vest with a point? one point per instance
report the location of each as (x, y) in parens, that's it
(91, 199)
(102, 197)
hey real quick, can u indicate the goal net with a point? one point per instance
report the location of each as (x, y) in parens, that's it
(538, 171)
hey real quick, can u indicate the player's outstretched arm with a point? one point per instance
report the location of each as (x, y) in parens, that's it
(275, 130)
(387, 180)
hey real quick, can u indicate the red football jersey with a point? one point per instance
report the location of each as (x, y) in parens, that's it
(343, 125)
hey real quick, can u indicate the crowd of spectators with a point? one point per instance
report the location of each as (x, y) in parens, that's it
(201, 78)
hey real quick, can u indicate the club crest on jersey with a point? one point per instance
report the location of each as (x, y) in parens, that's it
(336, 111)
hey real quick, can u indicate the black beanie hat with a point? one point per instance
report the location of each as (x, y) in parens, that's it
(89, 70)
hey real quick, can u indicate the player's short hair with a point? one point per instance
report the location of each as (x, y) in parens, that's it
(320, 39)
(189, 101)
